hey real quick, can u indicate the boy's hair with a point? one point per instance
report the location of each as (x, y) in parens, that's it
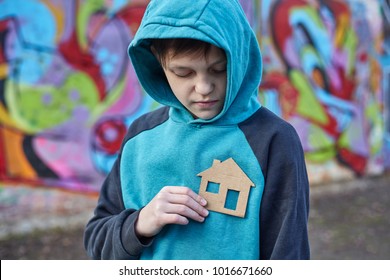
(178, 46)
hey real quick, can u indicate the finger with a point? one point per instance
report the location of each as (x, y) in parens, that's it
(175, 219)
(183, 204)
(186, 191)
(185, 211)
(188, 202)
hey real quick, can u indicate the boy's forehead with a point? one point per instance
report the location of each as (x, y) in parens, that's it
(214, 54)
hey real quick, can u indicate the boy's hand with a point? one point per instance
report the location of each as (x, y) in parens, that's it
(172, 205)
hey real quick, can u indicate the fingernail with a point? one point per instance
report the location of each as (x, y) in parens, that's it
(203, 202)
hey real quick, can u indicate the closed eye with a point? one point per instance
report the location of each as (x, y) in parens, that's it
(183, 74)
(218, 70)
(218, 67)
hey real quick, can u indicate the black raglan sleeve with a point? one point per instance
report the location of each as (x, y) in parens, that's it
(285, 203)
(110, 234)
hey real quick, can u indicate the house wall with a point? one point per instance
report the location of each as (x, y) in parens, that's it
(68, 91)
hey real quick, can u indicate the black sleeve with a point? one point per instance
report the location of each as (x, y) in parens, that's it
(110, 234)
(285, 204)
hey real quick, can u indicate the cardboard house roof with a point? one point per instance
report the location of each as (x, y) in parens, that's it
(227, 168)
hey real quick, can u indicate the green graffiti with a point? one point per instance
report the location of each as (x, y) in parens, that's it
(87, 9)
(308, 105)
(35, 109)
(351, 43)
(321, 145)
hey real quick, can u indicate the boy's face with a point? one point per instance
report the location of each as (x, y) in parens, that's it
(198, 82)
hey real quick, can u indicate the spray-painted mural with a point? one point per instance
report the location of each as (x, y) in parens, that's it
(324, 75)
(385, 63)
(68, 91)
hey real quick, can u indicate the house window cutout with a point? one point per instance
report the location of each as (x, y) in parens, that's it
(231, 199)
(230, 177)
(212, 187)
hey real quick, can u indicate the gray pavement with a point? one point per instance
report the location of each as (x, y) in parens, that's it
(348, 220)
(351, 220)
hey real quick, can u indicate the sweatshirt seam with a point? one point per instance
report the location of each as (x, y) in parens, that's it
(137, 133)
(202, 12)
(144, 130)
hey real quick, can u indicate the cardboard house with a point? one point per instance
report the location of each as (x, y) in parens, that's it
(226, 188)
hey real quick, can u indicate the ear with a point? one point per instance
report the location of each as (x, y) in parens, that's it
(156, 54)
(153, 50)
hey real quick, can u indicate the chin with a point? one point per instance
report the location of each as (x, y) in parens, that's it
(206, 117)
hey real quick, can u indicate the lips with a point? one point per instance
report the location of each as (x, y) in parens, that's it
(206, 104)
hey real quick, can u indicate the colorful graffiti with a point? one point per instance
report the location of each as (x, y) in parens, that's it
(323, 75)
(385, 62)
(68, 91)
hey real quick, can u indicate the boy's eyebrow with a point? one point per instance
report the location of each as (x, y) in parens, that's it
(222, 60)
(178, 67)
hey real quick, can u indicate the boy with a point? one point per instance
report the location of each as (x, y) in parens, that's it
(202, 61)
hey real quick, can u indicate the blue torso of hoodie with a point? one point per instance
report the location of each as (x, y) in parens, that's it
(173, 154)
(177, 148)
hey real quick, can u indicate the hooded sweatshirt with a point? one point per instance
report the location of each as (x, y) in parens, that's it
(169, 147)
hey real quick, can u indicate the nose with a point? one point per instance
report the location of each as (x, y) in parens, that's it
(204, 85)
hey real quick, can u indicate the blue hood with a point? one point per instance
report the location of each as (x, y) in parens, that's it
(218, 22)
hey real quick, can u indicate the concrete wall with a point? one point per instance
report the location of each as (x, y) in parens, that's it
(68, 91)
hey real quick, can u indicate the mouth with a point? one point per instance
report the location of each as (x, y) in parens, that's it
(206, 104)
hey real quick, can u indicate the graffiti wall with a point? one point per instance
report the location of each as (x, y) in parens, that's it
(325, 68)
(68, 91)
(385, 63)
